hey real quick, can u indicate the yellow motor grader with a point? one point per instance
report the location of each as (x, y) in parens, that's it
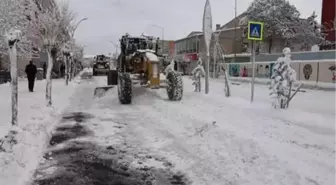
(139, 63)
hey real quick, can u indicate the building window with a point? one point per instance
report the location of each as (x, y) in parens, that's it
(187, 46)
(178, 47)
(194, 46)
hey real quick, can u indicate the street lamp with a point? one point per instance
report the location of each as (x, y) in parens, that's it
(116, 52)
(75, 28)
(162, 31)
(235, 33)
(115, 45)
(72, 33)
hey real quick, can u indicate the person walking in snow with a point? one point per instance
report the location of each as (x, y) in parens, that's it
(62, 70)
(44, 70)
(31, 71)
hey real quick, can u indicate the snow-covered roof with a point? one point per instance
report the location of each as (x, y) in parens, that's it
(231, 24)
(194, 33)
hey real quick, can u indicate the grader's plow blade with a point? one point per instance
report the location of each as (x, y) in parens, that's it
(101, 91)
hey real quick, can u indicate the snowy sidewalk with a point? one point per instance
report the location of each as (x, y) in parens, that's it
(35, 120)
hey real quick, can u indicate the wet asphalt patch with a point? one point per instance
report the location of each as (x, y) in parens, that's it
(84, 162)
(78, 117)
(68, 132)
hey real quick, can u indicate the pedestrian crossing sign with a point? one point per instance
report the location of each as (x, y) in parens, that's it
(255, 30)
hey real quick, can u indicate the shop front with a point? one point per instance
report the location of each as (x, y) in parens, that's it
(187, 62)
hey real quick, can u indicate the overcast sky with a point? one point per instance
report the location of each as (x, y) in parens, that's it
(109, 19)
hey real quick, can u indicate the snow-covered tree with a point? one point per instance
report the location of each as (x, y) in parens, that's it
(71, 67)
(281, 81)
(12, 38)
(66, 59)
(282, 20)
(197, 73)
(53, 27)
(227, 86)
(18, 15)
(307, 32)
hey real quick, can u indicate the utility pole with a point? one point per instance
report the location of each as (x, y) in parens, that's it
(162, 36)
(255, 33)
(115, 45)
(215, 47)
(235, 33)
(73, 45)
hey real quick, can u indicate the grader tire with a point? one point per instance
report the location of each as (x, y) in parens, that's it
(125, 88)
(175, 86)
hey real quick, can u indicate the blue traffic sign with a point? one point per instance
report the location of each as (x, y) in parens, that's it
(255, 30)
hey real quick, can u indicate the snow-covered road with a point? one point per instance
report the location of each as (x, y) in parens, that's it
(229, 141)
(212, 139)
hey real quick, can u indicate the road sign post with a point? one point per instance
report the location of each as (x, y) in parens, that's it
(253, 70)
(255, 33)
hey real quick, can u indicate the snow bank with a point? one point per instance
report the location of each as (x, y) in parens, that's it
(35, 124)
(86, 73)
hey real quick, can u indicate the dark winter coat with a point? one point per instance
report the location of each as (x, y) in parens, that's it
(31, 70)
(175, 66)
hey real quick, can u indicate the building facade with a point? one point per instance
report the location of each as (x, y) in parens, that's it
(190, 48)
(233, 40)
(328, 18)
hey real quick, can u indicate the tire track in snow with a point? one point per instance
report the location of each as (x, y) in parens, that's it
(146, 125)
(156, 107)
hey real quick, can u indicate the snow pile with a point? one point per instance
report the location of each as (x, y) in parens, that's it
(86, 73)
(35, 122)
(170, 67)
